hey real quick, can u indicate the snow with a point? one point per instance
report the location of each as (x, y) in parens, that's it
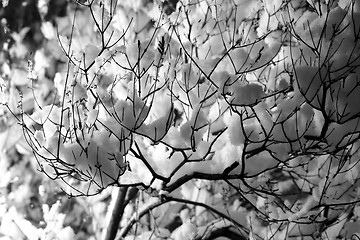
(259, 163)
(235, 131)
(344, 98)
(91, 117)
(247, 94)
(39, 136)
(339, 135)
(335, 21)
(157, 129)
(173, 138)
(193, 130)
(186, 231)
(226, 156)
(272, 6)
(310, 82)
(240, 58)
(100, 160)
(90, 53)
(268, 21)
(309, 203)
(161, 106)
(133, 53)
(79, 92)
(346, 3)
(278, 106)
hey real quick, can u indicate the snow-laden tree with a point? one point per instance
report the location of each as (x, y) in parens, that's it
(242, 116)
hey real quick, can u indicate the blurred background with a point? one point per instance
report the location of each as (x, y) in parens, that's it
(31, 206)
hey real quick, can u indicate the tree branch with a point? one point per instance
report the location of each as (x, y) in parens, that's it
(116, 214)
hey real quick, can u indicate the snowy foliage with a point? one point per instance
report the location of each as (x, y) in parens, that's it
(248, 106)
